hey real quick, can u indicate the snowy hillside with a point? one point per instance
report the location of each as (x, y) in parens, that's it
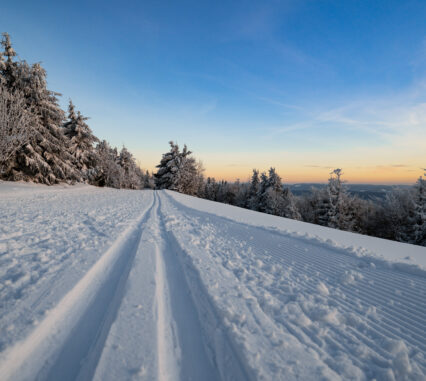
(108, 284)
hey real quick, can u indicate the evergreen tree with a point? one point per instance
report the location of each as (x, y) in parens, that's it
(107, 171)
(8, 68)
(253, 193)
(178, 171)
(132, 175)
(419, 199)
(165, 178)
(2, 70)
(261, 194)
(81, 140)
(15, 122)
(337, 207)
(274, 199)
(44, 157)
(210, 189)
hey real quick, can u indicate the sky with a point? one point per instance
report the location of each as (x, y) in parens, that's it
(302, 86)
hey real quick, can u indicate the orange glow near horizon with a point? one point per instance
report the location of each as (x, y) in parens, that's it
(304, 175)
(297, 168)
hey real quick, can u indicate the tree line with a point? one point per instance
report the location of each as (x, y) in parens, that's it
(400, 217)
(42, 143)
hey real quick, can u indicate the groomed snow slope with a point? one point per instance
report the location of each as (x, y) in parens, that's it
(119, 285)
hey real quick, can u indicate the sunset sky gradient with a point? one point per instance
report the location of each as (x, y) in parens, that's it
(303, 86)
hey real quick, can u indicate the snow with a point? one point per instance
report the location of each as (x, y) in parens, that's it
(107, 284)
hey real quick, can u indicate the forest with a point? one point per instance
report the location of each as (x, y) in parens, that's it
(42, 143)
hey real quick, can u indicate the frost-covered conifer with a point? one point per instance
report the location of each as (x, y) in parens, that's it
(44, 158)
(132, 176)
(8, 67)
(107, 171)
(419, 199)
(15, 122)
(253, 193)
(210, 189)
(165, 177)
(178, 171)
(273, 199)
(2, 69)
(189, 173)
(338, 205)
(81, 140)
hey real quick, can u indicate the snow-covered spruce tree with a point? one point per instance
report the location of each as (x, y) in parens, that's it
(398, 214)
(210, 189)
(45, 157)
(132, 174)
(273, 199)
(2, 69)
(338, 206)
(165, 178)
(253, 193)
(7, 68)
(15, 122)
(82, 141)
(189, 174)
(419, 236)
(178, 171)
(107, 171)
(261, 194)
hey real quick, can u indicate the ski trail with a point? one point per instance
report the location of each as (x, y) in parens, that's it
(166, 322)
(207, 351)
(67, 343)
(167, 358)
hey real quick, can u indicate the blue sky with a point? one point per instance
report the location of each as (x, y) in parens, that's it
(303, 86)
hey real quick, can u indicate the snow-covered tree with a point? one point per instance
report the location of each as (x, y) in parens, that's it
(274, 199)
(179, 171)
(337, 206)
(419, 236)
(165, 177)
(253, 193)
(188, 175)
(210, 189)
(2, 69)
(15, 122)
(45, 157)
(132, 174)
(82, 140)
(8, 67)
(107, 171)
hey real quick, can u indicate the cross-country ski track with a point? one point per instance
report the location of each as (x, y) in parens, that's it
(155, 285)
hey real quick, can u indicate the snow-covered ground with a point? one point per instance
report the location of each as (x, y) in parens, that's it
(119, 285)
